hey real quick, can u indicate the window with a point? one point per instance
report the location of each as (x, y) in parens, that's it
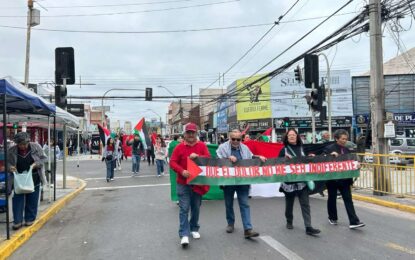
(396, 142)
(410, 142)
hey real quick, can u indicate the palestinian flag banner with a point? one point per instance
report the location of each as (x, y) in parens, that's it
(142, 132)
(208, 171)
(104, 134)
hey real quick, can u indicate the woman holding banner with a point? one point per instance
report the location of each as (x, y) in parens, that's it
(293, 147)
(341, 137)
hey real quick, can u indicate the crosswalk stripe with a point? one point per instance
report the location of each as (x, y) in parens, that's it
(280, 248)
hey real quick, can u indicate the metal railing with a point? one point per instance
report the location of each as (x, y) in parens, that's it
(392, 174)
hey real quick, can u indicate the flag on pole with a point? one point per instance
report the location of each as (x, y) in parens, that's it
(141, 130)
(267, 132)
(104, 134)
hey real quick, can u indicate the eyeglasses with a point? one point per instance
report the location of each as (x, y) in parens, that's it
(236, 139)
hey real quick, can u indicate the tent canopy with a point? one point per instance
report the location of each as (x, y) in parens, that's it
(19, 99)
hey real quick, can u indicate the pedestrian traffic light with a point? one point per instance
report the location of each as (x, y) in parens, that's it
(314, 99)
(15, 125)
(297, 74)
(64, 65)
(311, 73)
(60, 96)
(286, 122)
(149, 94)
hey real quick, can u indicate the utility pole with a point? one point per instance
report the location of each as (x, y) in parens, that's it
(377, 96)
(29, 25)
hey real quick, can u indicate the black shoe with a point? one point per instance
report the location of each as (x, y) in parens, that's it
(290, 225)
(250, 233)
(312, 231)
(17, 226)
(108, 180)
(333, 222)
(230, 229)
(357, 225)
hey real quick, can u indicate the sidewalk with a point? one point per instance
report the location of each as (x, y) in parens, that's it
(391, 201)
(46, 211)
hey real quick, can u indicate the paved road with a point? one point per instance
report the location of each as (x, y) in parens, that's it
(133, 218)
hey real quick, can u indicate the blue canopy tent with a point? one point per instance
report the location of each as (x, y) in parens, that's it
(17, 99)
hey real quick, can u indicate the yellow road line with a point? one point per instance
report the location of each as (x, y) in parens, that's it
(384, 203)
(400, 248)
(19, 238)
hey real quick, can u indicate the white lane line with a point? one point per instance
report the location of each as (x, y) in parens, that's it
(128, 187)
(126, 177)
(280, 248)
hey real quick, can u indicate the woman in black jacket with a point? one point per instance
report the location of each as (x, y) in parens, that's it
(293, 147)
(343, 185)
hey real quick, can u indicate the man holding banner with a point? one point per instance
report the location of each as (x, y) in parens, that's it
(234, 150)
(190, 196)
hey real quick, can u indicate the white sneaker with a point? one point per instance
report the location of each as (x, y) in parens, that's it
(184, 241)
(195, 235)
(162, 173)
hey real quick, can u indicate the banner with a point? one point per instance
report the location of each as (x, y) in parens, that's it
(95, 141)
(210, 171)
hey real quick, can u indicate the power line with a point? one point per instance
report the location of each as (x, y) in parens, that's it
(128, 12)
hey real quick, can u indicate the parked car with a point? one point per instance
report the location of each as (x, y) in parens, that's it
(402, 145)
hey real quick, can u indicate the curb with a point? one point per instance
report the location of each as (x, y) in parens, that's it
(406, 208)
(19, 238)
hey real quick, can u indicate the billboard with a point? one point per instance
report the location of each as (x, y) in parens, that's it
(222, 116)
(288, 95)
(253, 101)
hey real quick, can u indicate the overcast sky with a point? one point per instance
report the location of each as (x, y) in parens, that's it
(173, 60)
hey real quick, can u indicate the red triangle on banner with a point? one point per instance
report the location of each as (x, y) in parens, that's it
(193, 169)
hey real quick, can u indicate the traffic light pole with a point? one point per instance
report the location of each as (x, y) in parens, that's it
(313, 119)
(64, 147)
(328, 95)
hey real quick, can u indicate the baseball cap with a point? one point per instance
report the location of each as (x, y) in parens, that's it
(190, 127)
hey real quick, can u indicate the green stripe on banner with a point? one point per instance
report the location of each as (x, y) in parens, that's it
(275, 178)
(215, 193)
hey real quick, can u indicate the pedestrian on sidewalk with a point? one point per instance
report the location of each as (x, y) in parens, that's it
(235, 150)
(341, 137)
(20, 158)
(190, 196)
(293, 147)
(110, 156)
(137, 151)
(160, 149)
(54, 150)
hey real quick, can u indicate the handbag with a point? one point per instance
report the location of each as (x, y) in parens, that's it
(109, 157)
(23, 182)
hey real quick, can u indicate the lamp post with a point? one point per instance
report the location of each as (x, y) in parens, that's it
(180, 103)
(106, 92)
(161, 123)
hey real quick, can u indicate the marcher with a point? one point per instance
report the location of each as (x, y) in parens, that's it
(118, 145)
(20, 158)
(110, 156)
(325, 137)
(293, 147)
(160, 154)
(54, 151)
(137, 151)
(189, 197)
(150, 154)
(235, 151)
(343, 185)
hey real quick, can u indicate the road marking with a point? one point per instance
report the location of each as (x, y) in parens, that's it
(280, 248)
(127, 187)
(125, 177)
(401, 248)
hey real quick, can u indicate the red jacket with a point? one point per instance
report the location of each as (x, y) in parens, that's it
(178, 160)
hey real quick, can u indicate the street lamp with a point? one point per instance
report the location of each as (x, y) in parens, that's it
(168, 90)
(161, 123)
(106, 92)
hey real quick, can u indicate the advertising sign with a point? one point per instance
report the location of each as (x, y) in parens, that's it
(222, 117)
(95, 141)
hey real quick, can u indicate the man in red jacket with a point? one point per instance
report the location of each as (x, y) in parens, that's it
(188, 198)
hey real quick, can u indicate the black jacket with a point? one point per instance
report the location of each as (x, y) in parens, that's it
(340, 150)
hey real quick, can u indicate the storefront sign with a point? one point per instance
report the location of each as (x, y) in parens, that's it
(305, 122)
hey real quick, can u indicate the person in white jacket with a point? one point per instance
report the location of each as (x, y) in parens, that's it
(160, 150)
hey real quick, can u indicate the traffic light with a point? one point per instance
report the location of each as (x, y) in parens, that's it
(311, 74)
(149, 94)
(297, 73)
(64, 65)
(60, 96)
(15, 125)
(314, 100)
(286, 122)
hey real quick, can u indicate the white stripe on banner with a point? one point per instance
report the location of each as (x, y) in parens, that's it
(127, 187)
(280, 248)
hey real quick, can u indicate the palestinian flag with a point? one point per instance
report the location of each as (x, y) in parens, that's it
(141, 130)
(104, 134)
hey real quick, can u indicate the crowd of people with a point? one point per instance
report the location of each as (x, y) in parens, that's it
(190, 196)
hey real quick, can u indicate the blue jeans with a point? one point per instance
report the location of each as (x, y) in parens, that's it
(136, 163)
(188, 200)
(242, 192)
(27, 203)
(160, 166)
(110, 168)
